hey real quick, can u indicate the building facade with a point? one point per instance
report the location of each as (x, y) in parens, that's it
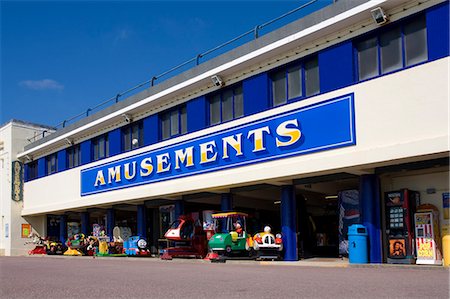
(307, 128)
(14, 135)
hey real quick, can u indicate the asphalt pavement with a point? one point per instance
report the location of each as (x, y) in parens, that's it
(87, 277)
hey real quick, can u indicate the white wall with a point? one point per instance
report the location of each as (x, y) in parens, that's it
(14, 137)
(401, 115)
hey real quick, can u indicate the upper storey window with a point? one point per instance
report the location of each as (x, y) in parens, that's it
(132, 136)
(173, 122)
(52, 163)
(399, 47)
(73, 156)
(297, 81)
(226, 105)
(100, 147)
(32, 170)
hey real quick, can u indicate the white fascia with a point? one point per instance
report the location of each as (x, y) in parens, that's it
(282, 42)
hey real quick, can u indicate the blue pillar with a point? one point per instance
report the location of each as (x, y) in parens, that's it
(85, 223)
(371, 215)
(142, 221)
(288, 223)
(179, 208)
(226, 202)
(63, 228)
(62, 160)
(110, 222)
(41, 167)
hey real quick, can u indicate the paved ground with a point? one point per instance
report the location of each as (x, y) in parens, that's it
(85, 277)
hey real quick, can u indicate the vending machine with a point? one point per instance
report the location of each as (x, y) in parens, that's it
(428, 240)
(400, 208)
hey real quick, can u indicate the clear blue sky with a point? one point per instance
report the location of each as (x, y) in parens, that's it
(60, 58)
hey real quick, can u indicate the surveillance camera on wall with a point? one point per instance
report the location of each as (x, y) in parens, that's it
(127, 118)
(217, 81)
(379, 16)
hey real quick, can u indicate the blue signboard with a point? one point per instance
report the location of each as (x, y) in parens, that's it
(319, 127)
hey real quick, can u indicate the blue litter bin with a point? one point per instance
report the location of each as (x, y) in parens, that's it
(357, 244)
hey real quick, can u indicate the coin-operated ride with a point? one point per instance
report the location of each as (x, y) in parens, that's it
(267, 245)
(136, 246)
(187, 239)
(231, 237)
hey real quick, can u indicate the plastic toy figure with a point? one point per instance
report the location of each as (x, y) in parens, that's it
(266, 245)
(76, 245)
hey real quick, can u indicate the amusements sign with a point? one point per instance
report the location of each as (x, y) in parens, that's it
(318, 127)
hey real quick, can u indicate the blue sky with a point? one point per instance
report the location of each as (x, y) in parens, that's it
(60, 58)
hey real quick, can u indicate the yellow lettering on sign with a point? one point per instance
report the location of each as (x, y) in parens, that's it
(163, 162)
(258, 138)
(184, 156)
(283, 130)
(127, 174)
(206, 149)
(114, 174)
(100, 178)
(146, 167)
(235, 143)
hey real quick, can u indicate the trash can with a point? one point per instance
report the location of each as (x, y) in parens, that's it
(357, 244)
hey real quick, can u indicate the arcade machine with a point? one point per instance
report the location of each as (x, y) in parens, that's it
(428, 240)
(400, 208)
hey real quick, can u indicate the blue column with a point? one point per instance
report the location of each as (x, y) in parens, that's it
(288, 223)
(115, 142)
(110, 222)
(142, 221)
(85, 223)
(63, 228)
(151, 129)
(85, 148)
(371, 215)
(196, 109)
(179, 208)
(62, 160)
(41, 167)
(226, 202)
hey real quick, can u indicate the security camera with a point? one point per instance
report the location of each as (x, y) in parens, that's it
(379, 16)
(127, 118)
(217, 81)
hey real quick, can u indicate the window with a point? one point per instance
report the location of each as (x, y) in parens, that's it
(296, 82)
(173, 122)
(226, 106)
(132, 136)
(32, 170)
(100, 147)
(73, 156)
(392, 50)
(52, 164)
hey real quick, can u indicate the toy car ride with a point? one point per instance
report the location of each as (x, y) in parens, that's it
(231, 238)
(267, 245)
(136, 246)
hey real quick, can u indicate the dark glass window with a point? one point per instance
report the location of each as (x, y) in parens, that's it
(52, 163)
(399, 47)
(173, 122)
(100, 147)
(226, 105)
(32, 170)
(132, 136)
(296, 82)
(73, 156)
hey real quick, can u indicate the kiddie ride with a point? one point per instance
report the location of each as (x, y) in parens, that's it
(187, 239)
(45, 246)
(266, 245)
(231, 238)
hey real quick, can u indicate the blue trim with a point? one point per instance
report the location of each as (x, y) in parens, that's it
(63, 228)
(226, 202)
(62, 160)
(151, 130)
(196, 111)
(85, 229)
(110, 222)
(334, 123)
(85, 148)
(288, 223)
(336, 73)
(371, 215)
(437, 19)
(256, 94)
(41, 167)
(142, 221)
(115, 142)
